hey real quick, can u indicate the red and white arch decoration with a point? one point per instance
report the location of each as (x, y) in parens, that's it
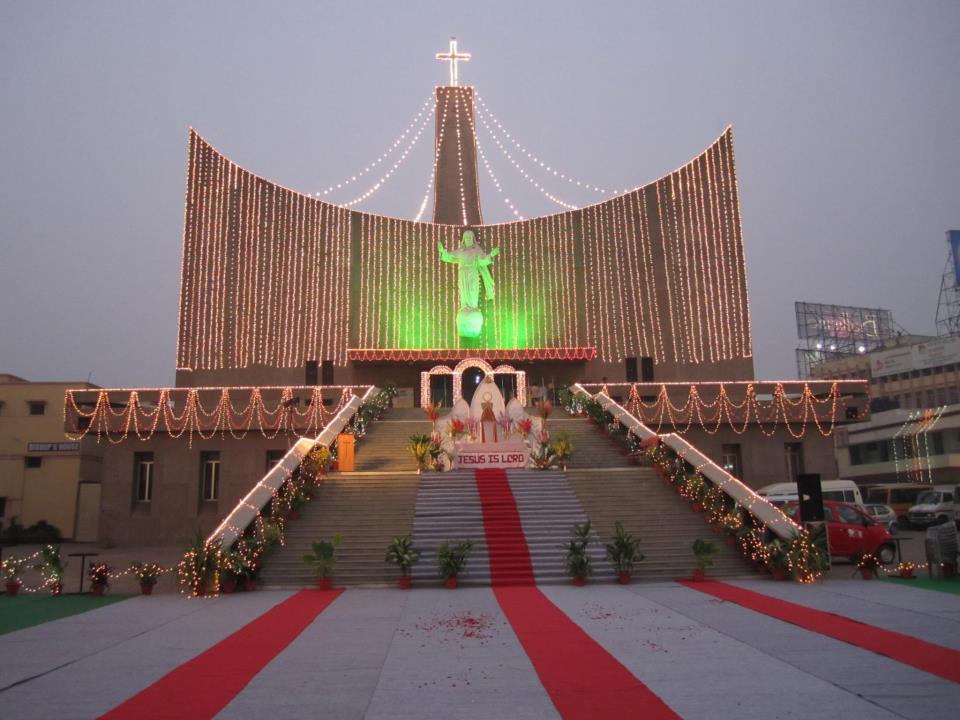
(460, 368)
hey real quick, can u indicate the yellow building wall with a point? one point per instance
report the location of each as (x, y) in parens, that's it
(49, 492)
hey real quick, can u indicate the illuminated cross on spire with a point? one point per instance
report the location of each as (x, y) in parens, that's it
(452, 57)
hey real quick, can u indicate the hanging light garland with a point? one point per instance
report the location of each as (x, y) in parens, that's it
(146, 418)
(385, 154)
(765, 416)
(482, 107)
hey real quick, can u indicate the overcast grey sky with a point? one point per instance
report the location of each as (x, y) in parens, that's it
(846, 121)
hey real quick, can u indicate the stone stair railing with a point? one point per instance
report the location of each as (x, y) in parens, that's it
(771, 517)
(246, 511)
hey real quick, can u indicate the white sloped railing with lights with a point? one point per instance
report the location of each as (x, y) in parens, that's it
(758, 506)
(253, 502)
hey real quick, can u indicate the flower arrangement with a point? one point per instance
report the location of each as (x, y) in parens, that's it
(316, 461)
(505, 424)
(456, 428)
(432, 411)
(525, 426)
(544, 409)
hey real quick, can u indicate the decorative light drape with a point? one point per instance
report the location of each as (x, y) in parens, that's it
(273, 277)
(180, 411)
(795, 415)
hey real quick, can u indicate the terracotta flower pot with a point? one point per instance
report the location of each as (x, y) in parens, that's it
(406, 582)
(716, 529)
(450, 583)
(249, 584)
(56, 589)
(579, 581)
(98, 588)
(778, 573)
(907, 574)
(866, 573)
(697, 507)
(699, 575)
(294, 515)
(730, 539)
(146, 588)
(325, 583)
(228, 586)
(623, 578)
(13, 588)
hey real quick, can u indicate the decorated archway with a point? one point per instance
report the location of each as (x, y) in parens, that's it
(461, 368)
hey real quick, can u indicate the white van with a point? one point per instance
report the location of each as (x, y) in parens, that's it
(839, 490)
(935, 506)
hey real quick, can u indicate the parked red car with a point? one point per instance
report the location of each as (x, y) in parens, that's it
(852, 532)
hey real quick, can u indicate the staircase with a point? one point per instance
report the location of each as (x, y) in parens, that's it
(449, 508)
(368, 510)
(385, 498)
(652, 511)
(591, 448)
(386, 446)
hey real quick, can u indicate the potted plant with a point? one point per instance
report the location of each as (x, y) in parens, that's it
(778, 559)
(704, 551)
(624, 553)
(231, 570)
(563, 448)
(577, 560)
(323, 559)
(451, 560)
(404, 555)
(905, 570)
(544, 457)
(868, 565)
(419, 447)
(12, 568)
(52, 567)
(197, 570)
(315, 462)
(99, 574)
(146, 574)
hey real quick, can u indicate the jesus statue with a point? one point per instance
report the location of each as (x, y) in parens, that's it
(472, 267)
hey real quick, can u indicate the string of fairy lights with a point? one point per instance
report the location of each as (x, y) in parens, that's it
(795, 415)
(268, 273)
(913, 439)
(424, 112)
(179, 412)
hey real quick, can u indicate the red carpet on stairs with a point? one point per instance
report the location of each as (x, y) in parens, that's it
(934, 659)
(202, 687)
(582, 679)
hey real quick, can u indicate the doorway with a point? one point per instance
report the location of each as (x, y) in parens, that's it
(470, 381)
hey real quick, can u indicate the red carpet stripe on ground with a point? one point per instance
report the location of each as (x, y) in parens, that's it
(506, 543)
(202, 687)
(582, 679)
(934, 659)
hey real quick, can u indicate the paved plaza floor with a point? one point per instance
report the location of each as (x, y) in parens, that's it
(436, 653)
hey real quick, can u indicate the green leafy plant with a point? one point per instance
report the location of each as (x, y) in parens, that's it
(420, 449)
(198, 569)
(624, 551)
(777, 555)
(402, 553)
(452, 557)
(577, 560)
(52, 566)
(323, 556)
(562, 447)
(316, 461)
(705, 552)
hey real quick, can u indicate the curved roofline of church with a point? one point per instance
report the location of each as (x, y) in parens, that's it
(727, 132)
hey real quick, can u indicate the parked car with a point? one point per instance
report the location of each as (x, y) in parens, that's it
(852, 532)
(899, 496)
(883, 514)
(935, 506)
(839, 490)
